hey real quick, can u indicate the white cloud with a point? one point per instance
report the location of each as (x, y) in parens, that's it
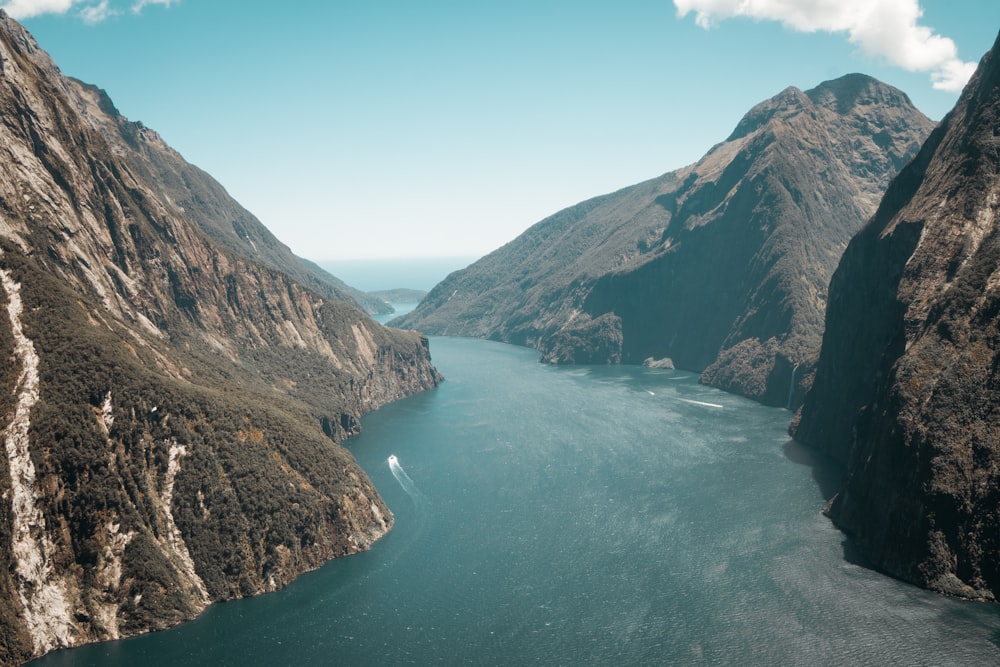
(97, 13)
(90, 13)
(25, 9)
(888, 29)
(141, 4)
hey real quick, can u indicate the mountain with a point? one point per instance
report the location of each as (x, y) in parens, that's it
(191, 191)
(176, 382)
(722, 265)
(906, 391)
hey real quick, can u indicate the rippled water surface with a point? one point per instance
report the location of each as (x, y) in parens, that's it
(597, 515)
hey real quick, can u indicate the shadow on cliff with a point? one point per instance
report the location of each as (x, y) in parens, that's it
(828, 474)
(829, 477)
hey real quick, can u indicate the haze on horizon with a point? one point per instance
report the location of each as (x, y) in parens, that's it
(395, 130)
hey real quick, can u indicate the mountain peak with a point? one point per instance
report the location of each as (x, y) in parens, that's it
(846, 95)
(754, 228)
(761, 114)
(850, 91)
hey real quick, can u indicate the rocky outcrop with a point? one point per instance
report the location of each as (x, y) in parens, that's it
(722, 266)
(177, 381)
(906, 392)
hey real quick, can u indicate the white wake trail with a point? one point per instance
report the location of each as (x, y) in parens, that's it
(694, 402)
(404, 480)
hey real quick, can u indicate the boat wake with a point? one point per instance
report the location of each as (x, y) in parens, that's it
(694, 402)
(404, 480)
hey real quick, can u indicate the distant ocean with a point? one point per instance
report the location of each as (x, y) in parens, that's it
(372, 275)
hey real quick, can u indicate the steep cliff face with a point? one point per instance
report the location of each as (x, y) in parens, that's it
(906, 392)
(721, 266)
(176, 382)
(201, 199)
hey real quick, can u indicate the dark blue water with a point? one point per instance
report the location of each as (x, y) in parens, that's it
(583, 516)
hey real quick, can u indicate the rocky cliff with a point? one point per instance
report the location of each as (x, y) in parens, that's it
(175, 384)
(722, 266)
(202, 200)
(906, 392)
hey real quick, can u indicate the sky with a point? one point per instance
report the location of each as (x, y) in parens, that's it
(394, 128)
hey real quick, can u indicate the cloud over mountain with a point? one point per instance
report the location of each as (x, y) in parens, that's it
(888, 29)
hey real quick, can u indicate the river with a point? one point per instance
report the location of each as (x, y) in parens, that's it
(583, 516)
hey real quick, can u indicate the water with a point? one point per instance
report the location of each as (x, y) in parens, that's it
(417, 273)
(372, 275)
(582, 516)
(398, 310)
(404, 480)
(791, 386)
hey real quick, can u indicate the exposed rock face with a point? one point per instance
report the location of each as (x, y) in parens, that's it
(906, 391)
(176, 381)
(722, 266)
(202, 200)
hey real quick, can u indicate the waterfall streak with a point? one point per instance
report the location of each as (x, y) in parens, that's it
(791, 386)
(42, 593)
(174, 536)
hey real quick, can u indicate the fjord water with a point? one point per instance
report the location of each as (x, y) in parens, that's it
(582, 515)
(419, 273)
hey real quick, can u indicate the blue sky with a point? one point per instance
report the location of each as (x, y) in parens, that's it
(391, 128)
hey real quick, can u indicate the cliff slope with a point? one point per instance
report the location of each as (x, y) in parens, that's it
(722, 266)
(906, 392)
(201, 199)
(175, 384)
